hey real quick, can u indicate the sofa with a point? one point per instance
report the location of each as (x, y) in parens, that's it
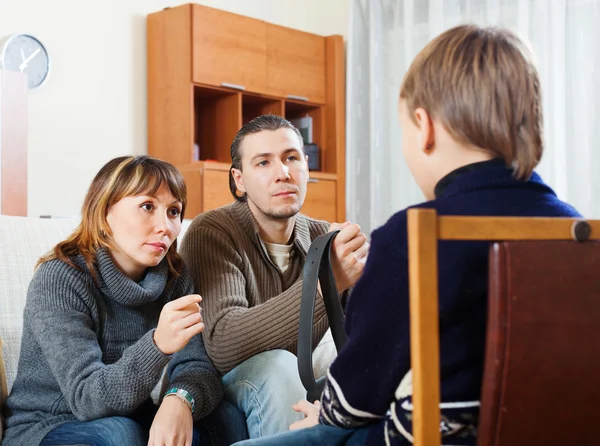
(23, 240)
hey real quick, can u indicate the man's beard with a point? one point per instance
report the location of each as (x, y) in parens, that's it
(282, 214)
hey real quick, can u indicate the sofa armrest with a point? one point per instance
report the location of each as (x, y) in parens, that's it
(3, 389)
(3, 382)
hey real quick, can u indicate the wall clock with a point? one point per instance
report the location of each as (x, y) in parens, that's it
(26, 54)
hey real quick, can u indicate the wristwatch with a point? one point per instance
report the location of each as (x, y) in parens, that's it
(184, 395)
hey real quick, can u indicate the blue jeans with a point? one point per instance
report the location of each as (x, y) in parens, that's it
(264, 387)
(224, 426)
(318, 435)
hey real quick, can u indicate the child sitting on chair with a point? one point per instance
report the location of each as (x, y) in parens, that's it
(471, 114)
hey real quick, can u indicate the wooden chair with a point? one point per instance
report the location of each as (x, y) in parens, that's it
(542, 361)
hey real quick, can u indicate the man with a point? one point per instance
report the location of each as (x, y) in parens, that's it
(247, 259)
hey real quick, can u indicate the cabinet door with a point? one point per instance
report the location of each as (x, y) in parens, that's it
(295, 64)
(228, 49)
(192, 175)
(215, 189)
(321, 202)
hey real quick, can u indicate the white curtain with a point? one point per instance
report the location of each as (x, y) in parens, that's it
(384, 37)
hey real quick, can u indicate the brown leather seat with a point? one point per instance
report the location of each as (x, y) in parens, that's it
(541, 382)
(542, 369)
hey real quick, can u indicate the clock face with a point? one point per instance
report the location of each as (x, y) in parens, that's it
(26, 54)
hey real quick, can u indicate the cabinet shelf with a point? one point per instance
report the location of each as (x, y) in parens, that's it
(216, 122)
(256, 105)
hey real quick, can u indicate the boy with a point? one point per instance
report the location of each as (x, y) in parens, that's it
(471, 114)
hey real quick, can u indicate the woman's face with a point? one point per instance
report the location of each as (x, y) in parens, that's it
(143, 229)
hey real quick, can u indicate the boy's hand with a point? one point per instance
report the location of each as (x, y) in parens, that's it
(311, 414)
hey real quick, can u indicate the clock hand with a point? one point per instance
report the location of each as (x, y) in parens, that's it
(26, 61)
(22, 55)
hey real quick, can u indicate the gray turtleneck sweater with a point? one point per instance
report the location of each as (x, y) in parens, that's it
(88, 352)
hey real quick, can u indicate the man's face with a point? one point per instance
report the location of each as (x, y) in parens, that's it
(274, 173)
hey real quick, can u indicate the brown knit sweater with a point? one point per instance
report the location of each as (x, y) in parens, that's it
(248, 305)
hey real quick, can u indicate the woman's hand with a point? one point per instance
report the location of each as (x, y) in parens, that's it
(311, 414)
(173, 424)
(179, 321)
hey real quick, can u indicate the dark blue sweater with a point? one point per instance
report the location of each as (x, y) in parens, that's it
(364, 382)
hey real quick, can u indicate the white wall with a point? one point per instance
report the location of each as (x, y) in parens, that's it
(93, 105)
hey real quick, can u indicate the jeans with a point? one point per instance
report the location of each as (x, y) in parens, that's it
(264, 387)
(224, 426)
(318, 435)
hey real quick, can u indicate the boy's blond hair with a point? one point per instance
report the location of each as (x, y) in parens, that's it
(483, 86)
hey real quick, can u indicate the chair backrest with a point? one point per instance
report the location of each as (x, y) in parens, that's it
(542, 321)
(542, 350)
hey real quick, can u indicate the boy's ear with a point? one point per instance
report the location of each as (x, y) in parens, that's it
(426, 131)
(239, 182)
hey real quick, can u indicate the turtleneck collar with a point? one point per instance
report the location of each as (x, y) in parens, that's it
(442, 185)
(482, 175)
(117, 286)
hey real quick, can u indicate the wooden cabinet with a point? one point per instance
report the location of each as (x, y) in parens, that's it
(228, 49)
(210, 72)
(215, 189)
(320, 202)
(208, 187)
(192, 176)
(295, 64)
(239, 52)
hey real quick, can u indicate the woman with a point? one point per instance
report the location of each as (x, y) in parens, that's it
(107, 310)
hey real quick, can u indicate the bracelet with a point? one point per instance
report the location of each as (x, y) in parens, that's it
(184, 395)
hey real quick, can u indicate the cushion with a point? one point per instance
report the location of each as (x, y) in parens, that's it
(22, 242)
(3, 390)
(3, 384)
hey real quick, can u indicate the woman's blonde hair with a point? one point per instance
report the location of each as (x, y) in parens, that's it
(483, 86)
(119, 178)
